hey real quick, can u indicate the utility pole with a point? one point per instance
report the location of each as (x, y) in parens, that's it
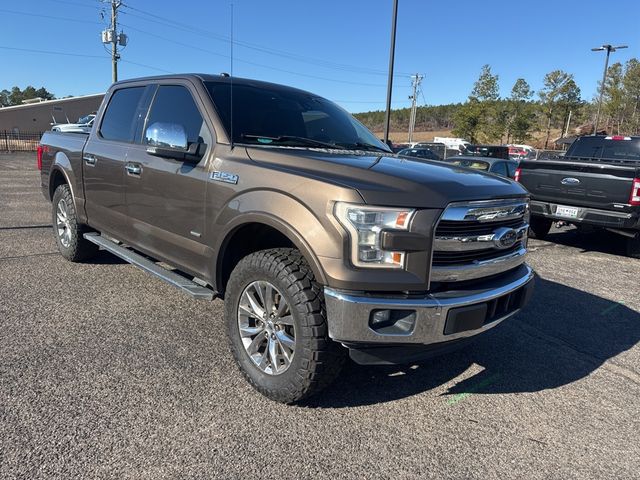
(111, 36)
(609, 49)
(387, 119)
(566, 130)
(415, 83)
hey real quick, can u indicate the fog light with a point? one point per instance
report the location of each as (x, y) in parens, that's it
(392, 322)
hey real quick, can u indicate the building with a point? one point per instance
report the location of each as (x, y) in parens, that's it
(40, 116)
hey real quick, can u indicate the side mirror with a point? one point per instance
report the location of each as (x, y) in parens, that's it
(166, 135)
(169, 140)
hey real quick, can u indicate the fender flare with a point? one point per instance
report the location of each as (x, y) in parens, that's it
(277, 224)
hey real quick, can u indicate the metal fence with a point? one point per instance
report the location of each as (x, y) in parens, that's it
(19, 142)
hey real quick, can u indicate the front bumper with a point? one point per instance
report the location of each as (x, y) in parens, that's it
(436, 318)
(587, 215)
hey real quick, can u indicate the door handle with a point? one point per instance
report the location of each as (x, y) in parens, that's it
(90, 160)
(133, 169)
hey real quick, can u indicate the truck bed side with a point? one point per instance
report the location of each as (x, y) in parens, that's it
(62, 162)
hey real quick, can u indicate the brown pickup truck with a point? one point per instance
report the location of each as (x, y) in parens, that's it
(319, 239)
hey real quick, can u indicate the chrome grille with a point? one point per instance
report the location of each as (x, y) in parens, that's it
(452, 227)
(479, 239)
(455, 258)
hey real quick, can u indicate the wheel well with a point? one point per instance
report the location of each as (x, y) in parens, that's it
(245, 240)
(57, 179)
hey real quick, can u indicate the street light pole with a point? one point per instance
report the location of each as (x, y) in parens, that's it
(387, 118)
(609, 49)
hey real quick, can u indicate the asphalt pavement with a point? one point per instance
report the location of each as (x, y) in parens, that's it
(106, 372)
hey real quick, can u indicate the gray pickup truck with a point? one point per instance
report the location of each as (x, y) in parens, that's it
(319, 239)
(595, 186)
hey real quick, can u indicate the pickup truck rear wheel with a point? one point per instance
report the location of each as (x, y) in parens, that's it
(539, 227)
(67, 230)
(277, 326)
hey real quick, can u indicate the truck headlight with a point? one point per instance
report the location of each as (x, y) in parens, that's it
(364, 224)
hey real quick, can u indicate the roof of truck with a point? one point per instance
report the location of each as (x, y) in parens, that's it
(218, 78)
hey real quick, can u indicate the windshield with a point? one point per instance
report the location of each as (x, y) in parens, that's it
(264, 115)
(85, 119)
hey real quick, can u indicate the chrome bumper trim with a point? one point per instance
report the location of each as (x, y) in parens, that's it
(478, 269)
(348, 314)
(548, 208)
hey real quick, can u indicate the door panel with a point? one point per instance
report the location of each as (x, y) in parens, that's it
(104, 158)
(165, 197)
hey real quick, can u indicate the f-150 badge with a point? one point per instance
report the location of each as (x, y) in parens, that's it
(224, 177)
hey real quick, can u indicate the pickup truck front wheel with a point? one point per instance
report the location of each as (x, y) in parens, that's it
(277, 326)
(539, 227)
(67, 230)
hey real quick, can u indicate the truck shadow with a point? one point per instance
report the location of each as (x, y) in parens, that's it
(563, 335)
(598, 241)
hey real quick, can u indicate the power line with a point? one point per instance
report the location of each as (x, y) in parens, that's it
(248, 62)
(68, 54)
(50, 17)
(50, 52)
(292, 56)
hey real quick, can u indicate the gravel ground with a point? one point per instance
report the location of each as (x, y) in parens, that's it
(106, 372)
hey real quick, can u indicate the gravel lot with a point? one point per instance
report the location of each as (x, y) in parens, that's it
(106, 372)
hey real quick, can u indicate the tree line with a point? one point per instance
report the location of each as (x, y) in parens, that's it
(16, 95)
(485, 117)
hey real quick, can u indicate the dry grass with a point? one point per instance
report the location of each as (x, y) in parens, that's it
(402, 137)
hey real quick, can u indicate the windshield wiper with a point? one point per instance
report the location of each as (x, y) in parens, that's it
(266, 140)
(366, 146)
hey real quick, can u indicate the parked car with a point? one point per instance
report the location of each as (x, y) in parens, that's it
(425, 153)
(457, 144)
(440, 149)
(319, 239)
(504, 168)
(595, 184)
(83, 125)
(492, 151)
(520, 152)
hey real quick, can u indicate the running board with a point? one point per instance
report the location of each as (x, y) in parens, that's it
(172, 278)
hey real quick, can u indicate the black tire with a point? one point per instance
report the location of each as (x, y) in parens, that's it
(69, 239)
(539, 227)
(633, 247)
(316, 360)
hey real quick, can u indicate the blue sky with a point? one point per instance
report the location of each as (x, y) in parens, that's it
(338, 49)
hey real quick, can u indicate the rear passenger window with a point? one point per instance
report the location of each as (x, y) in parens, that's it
(174, 104)
(119, 122)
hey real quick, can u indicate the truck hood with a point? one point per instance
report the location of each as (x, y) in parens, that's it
(389, 180)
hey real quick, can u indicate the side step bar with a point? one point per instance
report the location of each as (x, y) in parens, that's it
(172, 278)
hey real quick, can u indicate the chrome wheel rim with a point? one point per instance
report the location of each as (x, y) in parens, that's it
(266, 327)
(62, 223)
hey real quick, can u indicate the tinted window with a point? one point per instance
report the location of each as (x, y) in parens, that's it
(590, 147)
(263, 113)
(511, 168)
(500, 168)
(621, 149)
(173, 104)
(119, 120)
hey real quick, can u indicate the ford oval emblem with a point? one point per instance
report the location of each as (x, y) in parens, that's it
(504, 238)
(570, 181)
